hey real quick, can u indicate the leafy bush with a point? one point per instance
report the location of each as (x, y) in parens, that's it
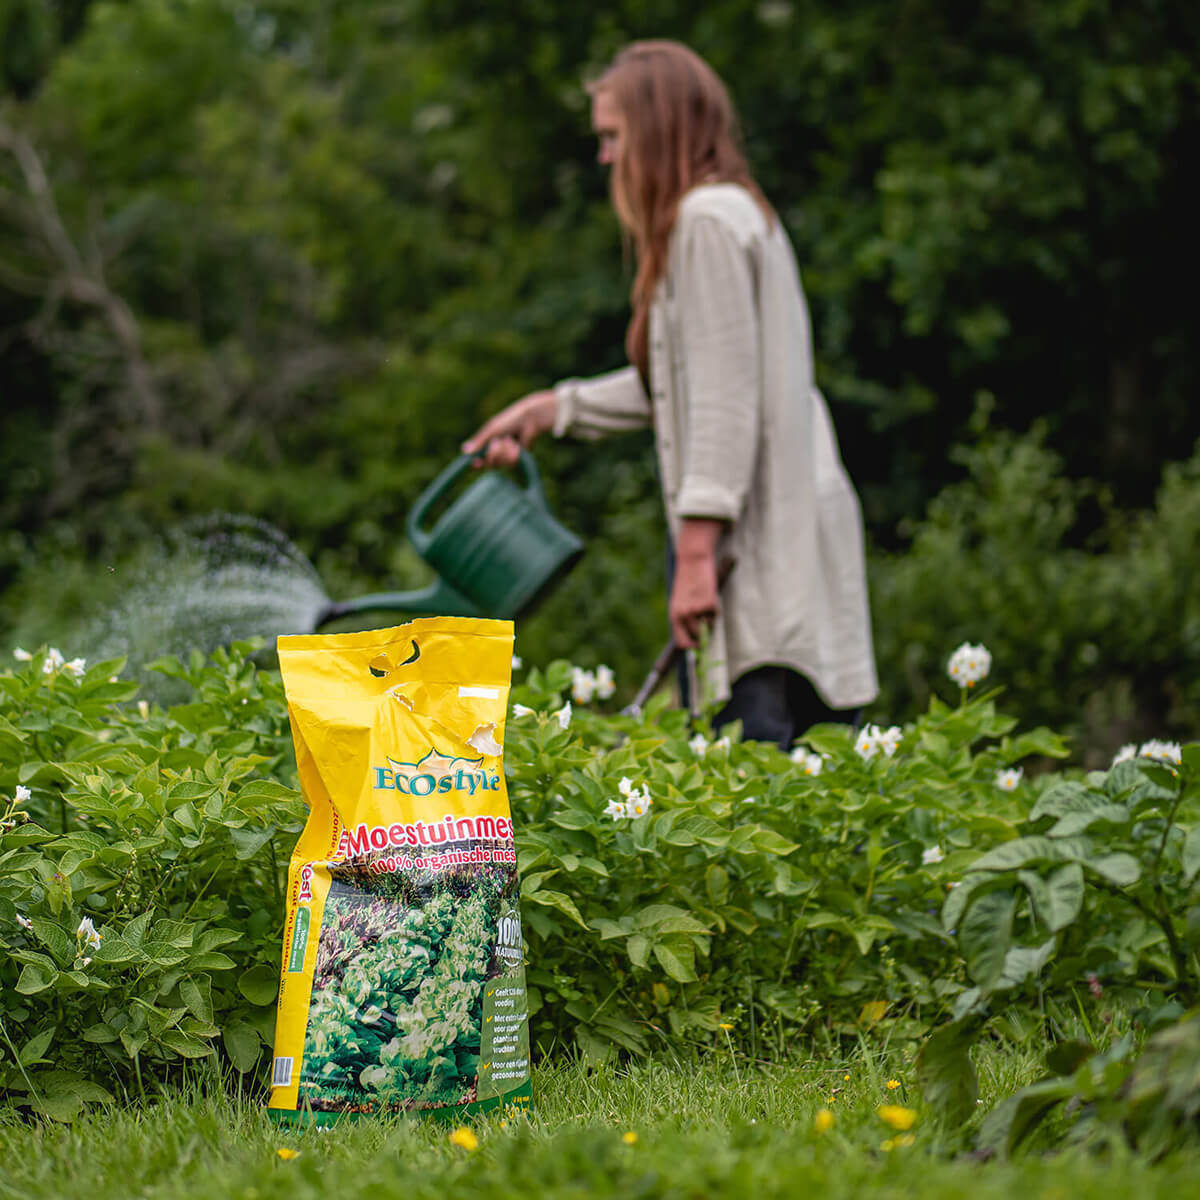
(753, 895)
(1096, 615)
(140, 876)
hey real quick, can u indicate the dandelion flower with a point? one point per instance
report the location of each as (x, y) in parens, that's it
(969, 664)
(21, 655)
(563, 715)
(606, 683)
(698, 745)
(867, 742)
(86, 934)
(629, 1137)
(1009, 779)
(845, 1078)
(892, 1084)
(824, 1121)
(22, 794)
(583, 685)
(287, 1153)
(465, 1138)
(932, 855)
(726, 1026)
(522, 710)
(897, 1116)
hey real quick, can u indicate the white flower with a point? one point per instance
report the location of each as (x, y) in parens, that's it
(563, 715)
(86, 934)
(1008, 779)
(969, 664)
(143, 707)
(889, 740)
(523, 710)
(722, 743)
(54, 660)
(583, 685)
(21, 655)
(616, 810)
(77, 666)
(24, 922)
(932, 855)
(517, 663)
(867, 742)
(811, 764)
(1126, 752)
(1162, 751)
(698, 745)
(626, 787)
(639, 804)
(606, 683)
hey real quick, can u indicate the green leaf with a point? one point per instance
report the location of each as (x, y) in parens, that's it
(260, 984)
(1121, 869)
(945, 1071)
(984, 935)
(1191, 854)
(1027, 850)
(184, 1043)
(33, 1049)
(242, 1045)
(35, 978)
(248, 842)
(60, 943)
(716, 882)
(638, 949)
(268, 790)
(1057, 899)
(677, 959)
(560, 901)
(197, 995)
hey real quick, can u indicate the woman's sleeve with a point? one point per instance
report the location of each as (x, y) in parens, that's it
(593, 408)
(719, 330)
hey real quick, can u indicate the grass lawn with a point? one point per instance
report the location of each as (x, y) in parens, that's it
(702, 1129)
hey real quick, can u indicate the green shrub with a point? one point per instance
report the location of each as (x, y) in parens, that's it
(140, 876)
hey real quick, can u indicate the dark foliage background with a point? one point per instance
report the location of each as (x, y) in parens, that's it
(280, 258)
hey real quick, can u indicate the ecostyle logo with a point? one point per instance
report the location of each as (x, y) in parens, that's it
(435, 772)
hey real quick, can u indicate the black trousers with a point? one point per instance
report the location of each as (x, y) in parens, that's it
(776, 704)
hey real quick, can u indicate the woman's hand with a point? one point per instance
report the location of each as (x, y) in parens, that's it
(502, 438)
(695, 592)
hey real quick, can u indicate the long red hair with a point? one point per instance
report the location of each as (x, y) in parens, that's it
(681, 130)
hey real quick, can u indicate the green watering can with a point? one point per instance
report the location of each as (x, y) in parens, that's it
(497, 549)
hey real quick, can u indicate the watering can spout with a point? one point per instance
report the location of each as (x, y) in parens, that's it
(438, 599)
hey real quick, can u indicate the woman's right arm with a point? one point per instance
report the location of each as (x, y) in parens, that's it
(614, 402)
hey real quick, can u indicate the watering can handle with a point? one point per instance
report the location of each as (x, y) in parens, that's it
(448, 477)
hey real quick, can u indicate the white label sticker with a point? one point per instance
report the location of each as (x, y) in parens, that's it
(484, 693)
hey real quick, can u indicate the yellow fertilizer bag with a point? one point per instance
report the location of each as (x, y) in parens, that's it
(403, 982)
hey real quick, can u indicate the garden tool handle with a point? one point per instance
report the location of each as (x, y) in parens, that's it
(670, 653)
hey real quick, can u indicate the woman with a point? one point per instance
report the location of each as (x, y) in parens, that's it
(721, 366)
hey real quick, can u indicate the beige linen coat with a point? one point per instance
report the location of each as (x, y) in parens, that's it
(744, 436)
